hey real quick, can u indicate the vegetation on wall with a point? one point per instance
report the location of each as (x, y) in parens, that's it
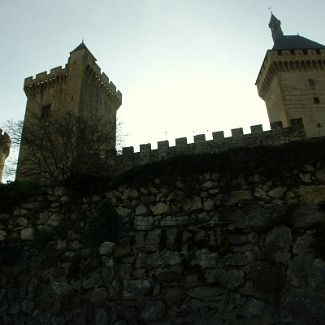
(270, 161)
(15, 193)
(104, 225)
(318, 244)
(58, 146)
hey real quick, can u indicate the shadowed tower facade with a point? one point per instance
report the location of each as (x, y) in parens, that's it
(291, 80)
(80, 88)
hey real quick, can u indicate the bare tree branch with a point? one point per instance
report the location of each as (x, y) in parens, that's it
(59, 146)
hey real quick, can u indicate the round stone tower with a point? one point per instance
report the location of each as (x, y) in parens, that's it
(4, 150)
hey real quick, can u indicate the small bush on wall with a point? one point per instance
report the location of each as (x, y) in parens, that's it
(15, 193)
(105, 225)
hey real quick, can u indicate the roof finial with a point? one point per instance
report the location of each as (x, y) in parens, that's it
(275, 25)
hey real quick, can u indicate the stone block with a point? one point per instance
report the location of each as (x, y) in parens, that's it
(145, 148)
(27, 234)
(199, 138)
(239, 196)
(142, 210)
(143, 223)
(277, 192)
(181, 142)
(136, 289)
(106, 248)
(306, 216)
(218, 136)
(256, 129)
(236, 133)
(98, 296)
(160, 208)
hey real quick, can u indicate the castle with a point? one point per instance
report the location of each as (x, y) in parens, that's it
(228, 238)
(291, 81)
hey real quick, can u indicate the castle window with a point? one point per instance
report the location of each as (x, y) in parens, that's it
(45, 111)
(316, 100)
(311, 83)
(319, 125)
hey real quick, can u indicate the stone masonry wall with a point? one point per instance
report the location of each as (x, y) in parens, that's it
(197, 249)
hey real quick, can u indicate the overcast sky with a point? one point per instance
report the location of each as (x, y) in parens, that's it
(184, 67)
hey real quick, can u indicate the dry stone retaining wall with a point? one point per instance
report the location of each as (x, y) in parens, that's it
(201, 249)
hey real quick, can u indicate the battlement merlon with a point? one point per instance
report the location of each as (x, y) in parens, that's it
(44, 77)
(55, 73)
(277, 135)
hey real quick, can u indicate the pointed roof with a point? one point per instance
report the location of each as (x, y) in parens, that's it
(290, 42)
(274, 22)
(82, 46)
(296, 42)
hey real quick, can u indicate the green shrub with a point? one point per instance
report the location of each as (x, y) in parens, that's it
(267, 160)
(15, 193)
(42, 236)
(86, 185)
(105, 225)
(10, 253)
(318, 244)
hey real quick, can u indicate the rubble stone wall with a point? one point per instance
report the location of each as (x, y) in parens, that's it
(198, 249)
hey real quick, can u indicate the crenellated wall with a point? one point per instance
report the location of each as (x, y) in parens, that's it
(277, 61)
(276, 136)
(44, 80)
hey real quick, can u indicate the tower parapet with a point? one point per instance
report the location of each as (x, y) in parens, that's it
(276, 136)
(45, 80)
(279, 61)
(4, 150)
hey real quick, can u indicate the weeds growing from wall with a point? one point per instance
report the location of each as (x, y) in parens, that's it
(15, 193)
(104, 225)
(10, 253)
(86, 185)
(318, 244)
(269, 161)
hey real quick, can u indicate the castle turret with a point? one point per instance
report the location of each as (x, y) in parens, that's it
(80, 88)
(292, 80)
(4, 150)
(275, 26)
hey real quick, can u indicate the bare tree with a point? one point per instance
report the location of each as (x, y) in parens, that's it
(55, 147)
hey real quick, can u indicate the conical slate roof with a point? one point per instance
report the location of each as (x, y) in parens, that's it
(290, 42)
(82, 46)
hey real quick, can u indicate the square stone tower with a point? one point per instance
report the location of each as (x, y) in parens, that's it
(80, 88)
(292, 80)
